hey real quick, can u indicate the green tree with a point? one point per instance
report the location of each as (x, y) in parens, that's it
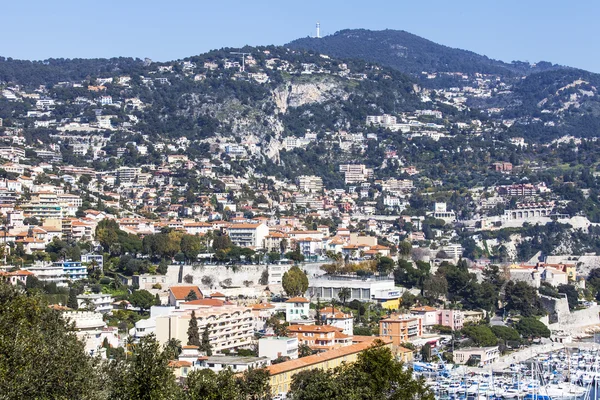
(193, 333)
(530, 327)
(142, 299)
(385, 265)
(205, 345)
(191, 246)
(506, 333)
(481, 335)
(72, 301)
(344, 294)
(294, 282)
(145, 375)
(40, 355)
(172, 349)
(204, 384)
(522, 298)
(254, 383)
(191, 296)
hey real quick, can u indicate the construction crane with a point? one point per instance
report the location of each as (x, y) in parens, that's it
(243, 58)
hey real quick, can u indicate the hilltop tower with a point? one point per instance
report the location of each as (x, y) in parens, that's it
(318, 30)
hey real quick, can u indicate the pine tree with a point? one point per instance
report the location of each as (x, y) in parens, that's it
(157, 301)
(205, 345)
(193, 333)
(72, 301)
(191, 296)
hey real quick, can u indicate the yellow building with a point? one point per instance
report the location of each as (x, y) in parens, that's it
(282, 374)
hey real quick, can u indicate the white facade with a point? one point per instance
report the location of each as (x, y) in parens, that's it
(327, 288)
(248, 235)
(296, 308)
(274, 347)
(101, 303)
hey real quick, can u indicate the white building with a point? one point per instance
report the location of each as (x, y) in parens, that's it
(100, 302)
(310, 183)
(218, 363)
(297, 308)
(248, 235)
(328, 287)
(334, 317)
(274, 347)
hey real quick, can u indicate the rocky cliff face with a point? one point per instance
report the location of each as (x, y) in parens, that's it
(296, 94)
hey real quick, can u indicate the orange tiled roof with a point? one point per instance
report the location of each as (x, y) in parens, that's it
(320, 358)
(297, 300)
(206, 302)
(423, 309)
(313, 328)
(181, 292)
(263, 306)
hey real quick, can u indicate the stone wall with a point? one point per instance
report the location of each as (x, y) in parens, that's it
(560, 318)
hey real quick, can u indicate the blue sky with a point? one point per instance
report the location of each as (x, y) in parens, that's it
(530, 30)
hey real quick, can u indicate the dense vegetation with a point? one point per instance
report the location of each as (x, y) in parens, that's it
(408, 53)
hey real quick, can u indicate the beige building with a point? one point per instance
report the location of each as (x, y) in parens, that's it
(230, 327)
(477, 356)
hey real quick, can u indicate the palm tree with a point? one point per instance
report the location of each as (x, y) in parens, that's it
(344, 294)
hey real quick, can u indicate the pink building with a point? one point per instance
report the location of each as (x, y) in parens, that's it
(453, 319)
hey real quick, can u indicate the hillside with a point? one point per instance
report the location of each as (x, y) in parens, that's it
(410, 53)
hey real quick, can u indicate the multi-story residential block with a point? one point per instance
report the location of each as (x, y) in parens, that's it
(334, 317)
(49, 273)
(229, 326)
(262, 312)
(97, 260)
(310, 183)
(320, 337)
(248, 235)
(73, 270)
(401, 328)
(99, 302)
(356, 172)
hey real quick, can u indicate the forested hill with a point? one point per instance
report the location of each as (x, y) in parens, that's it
(410, 53)
(54, 70)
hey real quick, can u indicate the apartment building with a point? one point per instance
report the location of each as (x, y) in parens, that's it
(320, 337)
(309, 183)
(334, 317)
(99, 302)
(248, 235)
(73, 270)
(401, 328)
(229, 326)
(354, 173)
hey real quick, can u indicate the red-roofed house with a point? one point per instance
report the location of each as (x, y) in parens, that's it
(177, 294)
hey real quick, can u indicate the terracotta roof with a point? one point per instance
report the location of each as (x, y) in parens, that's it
(206, 302)
(243, 226)
(313, 328)
(297, 300)
(181, 292)
(291, 365)
(189, 346)
(217, 294)
(179, 364)
(423, 309)
(262, 306)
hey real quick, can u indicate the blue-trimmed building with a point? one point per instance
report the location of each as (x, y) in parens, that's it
(73, 270)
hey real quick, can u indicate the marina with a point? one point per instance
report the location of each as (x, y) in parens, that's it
(567, 373)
